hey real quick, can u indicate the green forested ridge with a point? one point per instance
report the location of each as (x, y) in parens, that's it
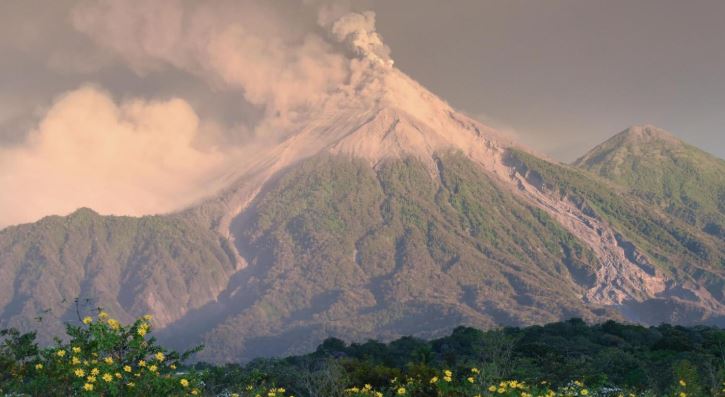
(125, 264)
(676, 246)
(611, 358)
(683, 180)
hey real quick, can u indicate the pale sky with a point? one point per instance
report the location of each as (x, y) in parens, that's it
(132, 106)
(567, 74)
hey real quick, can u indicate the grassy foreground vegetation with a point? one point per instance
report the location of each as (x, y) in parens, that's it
(102, 357)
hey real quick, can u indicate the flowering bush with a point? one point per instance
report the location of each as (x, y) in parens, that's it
(102, 357)
(259, 391)
(446, 384)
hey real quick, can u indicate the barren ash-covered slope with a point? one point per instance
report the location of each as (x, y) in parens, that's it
(385, 212)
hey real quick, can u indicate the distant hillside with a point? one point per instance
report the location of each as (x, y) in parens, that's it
(683, 180)
(160, 264)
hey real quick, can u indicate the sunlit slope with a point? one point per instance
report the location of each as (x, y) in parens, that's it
(338, 248)
(691, 260)
(683, 180)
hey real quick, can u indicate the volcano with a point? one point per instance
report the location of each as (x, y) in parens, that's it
(386, 212)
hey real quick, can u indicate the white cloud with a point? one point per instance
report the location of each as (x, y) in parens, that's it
(136, 157)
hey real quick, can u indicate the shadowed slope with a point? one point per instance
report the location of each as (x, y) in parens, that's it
(163, 265)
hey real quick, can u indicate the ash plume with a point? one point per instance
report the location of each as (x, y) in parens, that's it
(129, 155)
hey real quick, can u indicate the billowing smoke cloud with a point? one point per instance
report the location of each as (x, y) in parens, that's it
(147, 156)
(233, 45)
(357, 31)
(136, 157)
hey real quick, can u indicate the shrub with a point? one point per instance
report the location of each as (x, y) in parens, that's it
(101, 357)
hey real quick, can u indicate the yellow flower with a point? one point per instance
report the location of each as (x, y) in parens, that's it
(195, 392)
(60, 353)
(153, 368)
(88, 387)
(447, 378)
(38, 366)
(114, 324)
(107, 377)
(75, 360)
(79, 373)
(475, 370)
(492, 388)
(448, 373)
(501, 390)
(91, 379)
(127, 368)
(142, 363)
(118, 375)
(584, 392)
(434, 379)
(683, 394)
(130, 384)
(76, 349)
(108, 360)
(141, 331)
(184, 382)
(103, 315)
(172, 366)
(683, 383)
(95, 371)
(87, 320)
(148, 317)
(160, 356)
(234, 395)
(401, 391)
(470, 379)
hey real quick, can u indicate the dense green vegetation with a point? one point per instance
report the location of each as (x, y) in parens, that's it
(98, 357)
(683, 180)
(610, 355)
(678, 248)
(128, 264)
(336, 247)
(102, 357)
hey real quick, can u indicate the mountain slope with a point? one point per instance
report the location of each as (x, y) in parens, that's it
(336, 247)
(158, 264)
(689, 263)
(681, 179)
(384, 212)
